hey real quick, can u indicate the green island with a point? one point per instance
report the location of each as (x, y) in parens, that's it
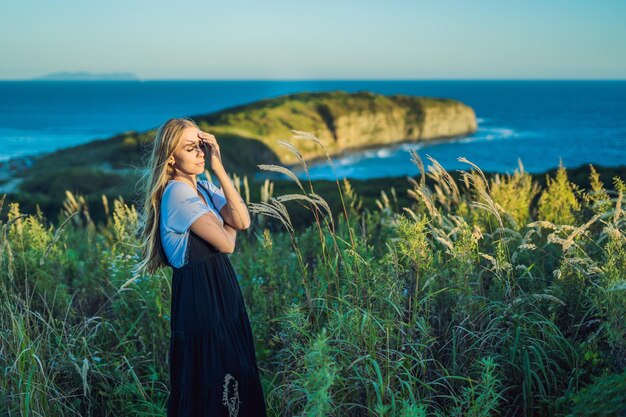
(249, 135)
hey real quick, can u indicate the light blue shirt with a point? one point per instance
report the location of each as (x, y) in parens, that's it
(180, 207)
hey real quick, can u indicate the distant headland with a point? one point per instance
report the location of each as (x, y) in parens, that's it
(343, 122)
(87, 76)
(249, 134)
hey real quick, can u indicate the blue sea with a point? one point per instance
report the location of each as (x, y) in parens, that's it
(538, 122)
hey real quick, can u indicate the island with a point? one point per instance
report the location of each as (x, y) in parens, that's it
(87, 76)
(248, 135)
(342, 121)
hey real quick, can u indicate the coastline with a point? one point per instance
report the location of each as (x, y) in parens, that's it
(10, 170)
(355, 151)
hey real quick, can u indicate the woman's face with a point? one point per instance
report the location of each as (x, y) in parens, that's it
(188, 157)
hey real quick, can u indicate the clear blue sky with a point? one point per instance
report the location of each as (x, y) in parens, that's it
(321, 39)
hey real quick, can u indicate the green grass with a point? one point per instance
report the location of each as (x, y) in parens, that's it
(454, 294)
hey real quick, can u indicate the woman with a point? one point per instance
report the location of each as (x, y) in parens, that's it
(191, 225)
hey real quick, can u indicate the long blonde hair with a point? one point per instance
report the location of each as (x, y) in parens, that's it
(154, 181)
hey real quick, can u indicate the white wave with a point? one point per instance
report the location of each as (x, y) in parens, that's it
(348, 159)
(384, 152)
(413, 146)
(504, 132)
(369, 153)
(488, 134)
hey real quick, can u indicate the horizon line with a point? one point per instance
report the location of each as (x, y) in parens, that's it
(310, 79)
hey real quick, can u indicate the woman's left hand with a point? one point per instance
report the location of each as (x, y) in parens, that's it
(214, 149)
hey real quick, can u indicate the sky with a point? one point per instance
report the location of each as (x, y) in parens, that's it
(316, 39)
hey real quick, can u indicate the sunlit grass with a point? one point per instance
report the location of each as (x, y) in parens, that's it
(483, 297)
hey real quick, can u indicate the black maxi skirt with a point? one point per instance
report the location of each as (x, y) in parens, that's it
(212, 360)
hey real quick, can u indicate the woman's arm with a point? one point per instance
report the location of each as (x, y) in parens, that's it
(232, 234)
(234, 212)
(209, 228)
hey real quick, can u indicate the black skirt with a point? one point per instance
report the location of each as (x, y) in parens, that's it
(212, 361)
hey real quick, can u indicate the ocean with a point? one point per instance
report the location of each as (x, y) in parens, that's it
(538, 122)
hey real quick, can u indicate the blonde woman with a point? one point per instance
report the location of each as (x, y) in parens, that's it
(190, 225)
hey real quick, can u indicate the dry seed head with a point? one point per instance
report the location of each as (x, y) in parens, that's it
(298, 134)
(282, 170)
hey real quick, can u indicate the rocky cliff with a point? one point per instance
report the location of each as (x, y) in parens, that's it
(342, 121)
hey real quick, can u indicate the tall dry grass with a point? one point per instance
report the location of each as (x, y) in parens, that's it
(483, 297)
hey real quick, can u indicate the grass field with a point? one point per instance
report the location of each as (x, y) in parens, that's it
(481, 297)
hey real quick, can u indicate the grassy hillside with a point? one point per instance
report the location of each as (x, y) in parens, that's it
(343, 121)
(48, 191)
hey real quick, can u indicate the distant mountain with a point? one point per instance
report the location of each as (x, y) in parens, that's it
(88, 76)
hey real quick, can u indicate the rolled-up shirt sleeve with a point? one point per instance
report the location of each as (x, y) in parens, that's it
(181, 206)
(216, 194)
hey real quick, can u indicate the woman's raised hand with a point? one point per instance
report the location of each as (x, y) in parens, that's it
(211, 142)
